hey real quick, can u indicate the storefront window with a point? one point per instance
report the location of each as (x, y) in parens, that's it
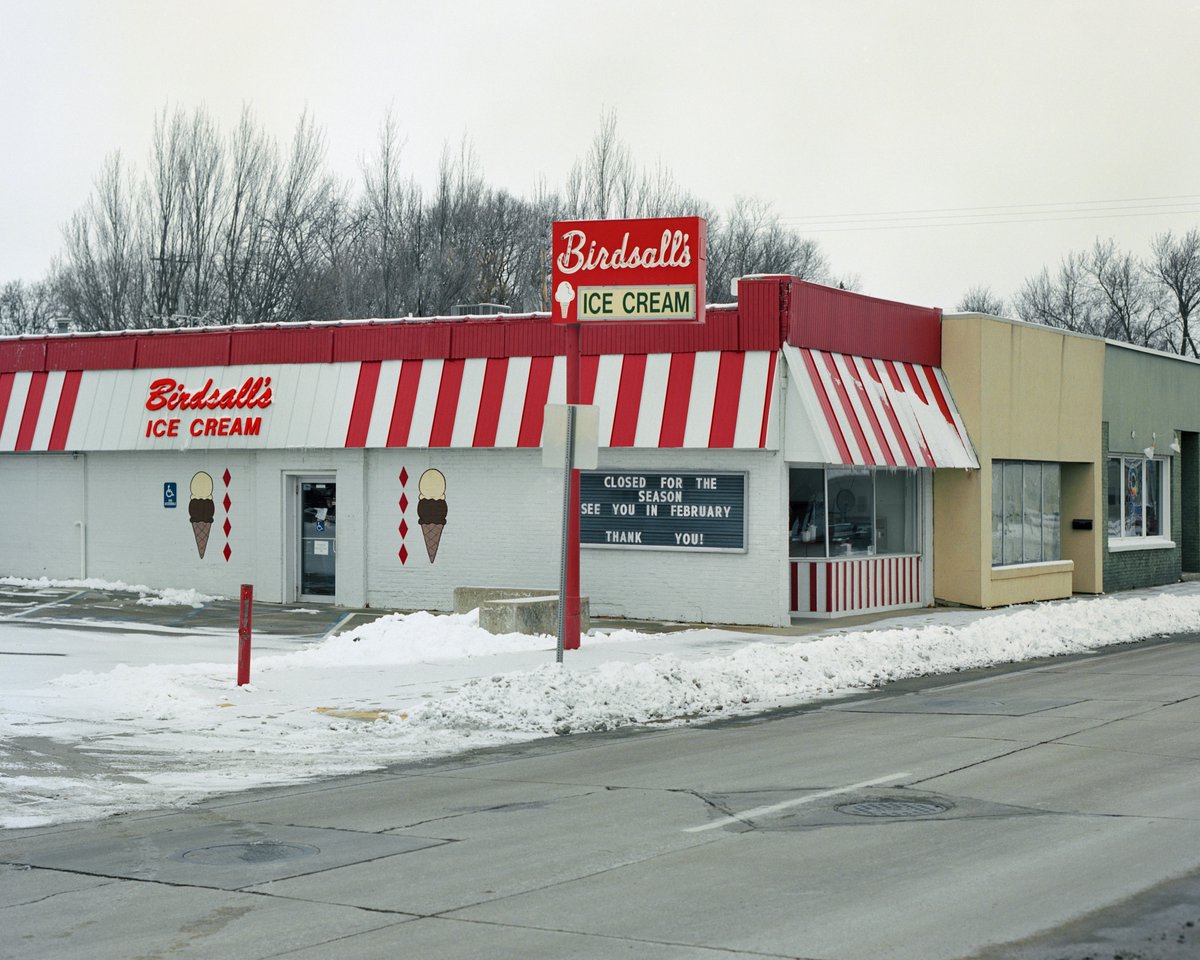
(1137, 498)
(1026, 512)
(853, 511)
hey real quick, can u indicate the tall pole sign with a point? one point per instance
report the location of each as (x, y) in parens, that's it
(621, 271)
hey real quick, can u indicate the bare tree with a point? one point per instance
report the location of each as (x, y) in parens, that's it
(101, 283)
(981, 299)
(383, 193)
(750, 240)
(27, 308)
(1064, 299)
(1176, 266)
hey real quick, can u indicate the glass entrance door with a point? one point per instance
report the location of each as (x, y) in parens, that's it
(318, 538)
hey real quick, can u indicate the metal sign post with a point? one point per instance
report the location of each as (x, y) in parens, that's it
(245, 616)
(569, 549)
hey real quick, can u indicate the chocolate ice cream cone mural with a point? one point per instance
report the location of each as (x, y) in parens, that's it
(431, 509)
(201, 509)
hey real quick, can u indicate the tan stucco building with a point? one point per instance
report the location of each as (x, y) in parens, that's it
(1028, 524)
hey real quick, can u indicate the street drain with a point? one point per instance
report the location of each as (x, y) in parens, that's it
(260, 851)
(893, 808)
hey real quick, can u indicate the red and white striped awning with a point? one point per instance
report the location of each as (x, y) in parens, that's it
(862, 411)
(708, 399)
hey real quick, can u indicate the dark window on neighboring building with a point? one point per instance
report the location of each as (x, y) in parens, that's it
(1137, 498)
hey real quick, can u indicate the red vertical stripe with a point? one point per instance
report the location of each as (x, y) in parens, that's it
(831, 419)
(66, 410)
(406, 401)
(828, 567)
(447, 403)
(33, 407)
(490, 399)
(725, 403)
(890, 367)
(915, 381)
(364, 402)
(536, 392)
(848, 413)
(812, 587)
(629, 400)
(794, 572)
(868, 403)
(588, 367)
(678, 397)
(766, 417)
(935, 389)
(6, 385)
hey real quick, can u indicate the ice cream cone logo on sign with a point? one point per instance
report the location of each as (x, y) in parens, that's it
(201, 510)
(564, 295)
(431, 509)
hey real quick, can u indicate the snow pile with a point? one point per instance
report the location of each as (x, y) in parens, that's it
(551, 700)
(149, 596)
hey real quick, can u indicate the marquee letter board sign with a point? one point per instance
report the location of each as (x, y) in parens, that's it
(679, 510)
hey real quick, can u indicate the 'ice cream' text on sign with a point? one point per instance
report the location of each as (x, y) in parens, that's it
(166, 393)
(664, 511)
(629, 270)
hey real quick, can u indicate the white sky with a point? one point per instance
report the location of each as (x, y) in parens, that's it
(825, 109)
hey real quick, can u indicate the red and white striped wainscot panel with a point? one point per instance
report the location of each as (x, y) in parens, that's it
(860, 410)
(709, 399)
(694, 400)
(835, 586)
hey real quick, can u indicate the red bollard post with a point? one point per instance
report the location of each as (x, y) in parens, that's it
(245, 616)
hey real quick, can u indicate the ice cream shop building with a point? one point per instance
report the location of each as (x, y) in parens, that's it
(775, 460)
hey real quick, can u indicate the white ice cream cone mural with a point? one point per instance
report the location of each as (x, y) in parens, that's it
(564, 295)
(431, 509)
(201, 510)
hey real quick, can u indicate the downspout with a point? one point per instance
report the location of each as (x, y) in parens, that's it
(82, 524)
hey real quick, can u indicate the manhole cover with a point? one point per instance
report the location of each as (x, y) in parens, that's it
(259, 851)
(893, 808)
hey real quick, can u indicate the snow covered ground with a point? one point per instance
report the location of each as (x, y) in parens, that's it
(96, 722)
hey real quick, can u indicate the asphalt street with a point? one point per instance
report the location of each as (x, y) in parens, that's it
(1023, 813)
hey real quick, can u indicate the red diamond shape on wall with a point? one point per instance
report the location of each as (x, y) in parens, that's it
(226, 502)
(403, 502)
(227, 551)
(228, 526)
(403, 554)
(403, 528)
(403, 476)
(226, 476)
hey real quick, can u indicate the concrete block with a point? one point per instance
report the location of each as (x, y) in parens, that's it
(467, 599)
(534, 615)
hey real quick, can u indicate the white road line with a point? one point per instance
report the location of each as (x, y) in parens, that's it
(775, 807)
(43, 606)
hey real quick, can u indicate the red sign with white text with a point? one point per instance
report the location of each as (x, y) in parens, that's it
(628, 270)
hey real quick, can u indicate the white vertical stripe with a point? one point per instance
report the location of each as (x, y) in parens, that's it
(45, 420)
(558, 381)
(748, 426)
(426, 405)
(654, 398)
(608, 381)
(85, 401)
(512, 405)
(124, 414)
(858, 411)
(469, 392)
(835, 402)
(383, 403)
(702, 398)
(16, 410)
(338, 385)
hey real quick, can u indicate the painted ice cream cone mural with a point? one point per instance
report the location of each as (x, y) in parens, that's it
(431, 509)
(201, 509)
(564, 295)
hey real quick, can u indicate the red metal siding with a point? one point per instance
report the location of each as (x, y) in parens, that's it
(416, 340)
(22, 355)
(91, 353)
(477, 338)
(843, 322)
(534, 338)
(282, 345)
(183, 349)
(761, 326)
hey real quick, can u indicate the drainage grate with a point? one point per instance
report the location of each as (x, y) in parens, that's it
(260, 851)
(893, 808)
